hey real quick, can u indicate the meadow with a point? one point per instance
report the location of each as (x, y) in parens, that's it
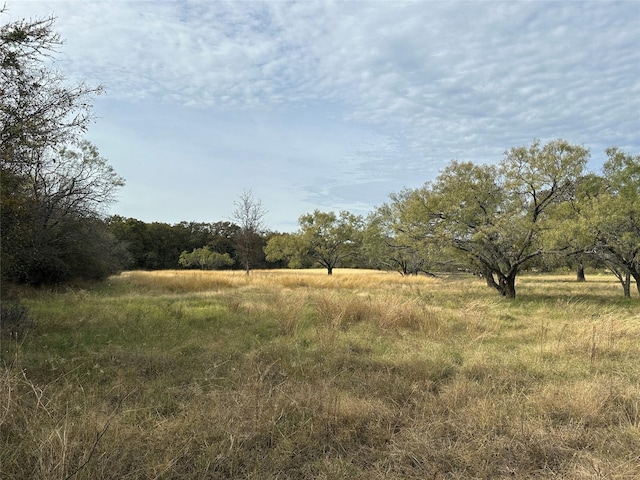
(300, 375)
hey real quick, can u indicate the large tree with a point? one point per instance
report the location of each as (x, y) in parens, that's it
(395, 236)
(38, 110)
(601, 222)
(324, 237)
(611, 215)
(53, 185)
(494, 216)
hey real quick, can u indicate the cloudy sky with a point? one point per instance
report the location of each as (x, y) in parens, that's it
(335, 105)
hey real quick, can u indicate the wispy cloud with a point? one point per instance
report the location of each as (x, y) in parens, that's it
(341, 103)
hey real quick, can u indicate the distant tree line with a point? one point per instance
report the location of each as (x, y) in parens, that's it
(157, 246)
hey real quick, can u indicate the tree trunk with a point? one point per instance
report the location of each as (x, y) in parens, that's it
(580, 272)
(636, 277)
(507, 284)
(626, 285)
(329, 269)
(491, 282)
(487, 274)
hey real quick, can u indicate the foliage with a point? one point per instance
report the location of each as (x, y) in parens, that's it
(52, 231)
(323, 237)
(398, 235)
(493, 218)
(289, 247)
(329, 238)
(612, 217)
(156, 246)
(205, 258)
(37, 110)
(54, 186)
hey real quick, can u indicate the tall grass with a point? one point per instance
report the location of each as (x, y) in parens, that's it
(295, 374)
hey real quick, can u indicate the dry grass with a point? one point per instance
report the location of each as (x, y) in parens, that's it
(289, 375)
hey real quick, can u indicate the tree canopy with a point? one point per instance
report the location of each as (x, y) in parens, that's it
(611, 215)
(491, 218)
(536, 203)
(324, 237)
(54, 185)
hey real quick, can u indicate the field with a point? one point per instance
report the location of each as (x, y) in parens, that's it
(298, 375)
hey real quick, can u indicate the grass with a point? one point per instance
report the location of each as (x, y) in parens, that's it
(295, 374)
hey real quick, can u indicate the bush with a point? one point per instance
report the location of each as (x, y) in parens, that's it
(206, 259)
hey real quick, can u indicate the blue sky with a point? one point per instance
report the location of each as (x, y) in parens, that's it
(335, 105)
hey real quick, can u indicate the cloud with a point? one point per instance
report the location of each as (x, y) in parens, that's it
(341, 103)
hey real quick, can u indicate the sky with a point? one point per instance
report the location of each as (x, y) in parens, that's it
(335, 105)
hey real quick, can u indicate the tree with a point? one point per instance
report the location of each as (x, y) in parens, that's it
(494, 217)
(223, 237)
(206, 259)
(323, 237)
(601, 222)
(330, 239)
(249, 215)
(611, 216)
(289, 247)
(46, 226)
(53, 185)
(135, 238)
(396, 238)
(37, 110)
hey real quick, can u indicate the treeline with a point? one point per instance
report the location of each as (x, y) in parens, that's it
(157, 246)
(537, 208)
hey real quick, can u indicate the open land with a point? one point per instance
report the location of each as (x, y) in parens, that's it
(299, 375)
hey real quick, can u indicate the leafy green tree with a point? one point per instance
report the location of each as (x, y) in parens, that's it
(134, 237)
(276, 242)
(206, 259)
(223, 236)
(43, 231)
(396, 238)
(601, 222)
(289, 247)
(611, 217)
(494, 217)
(323, 237)
(193, 234)
(329, 239)
(569, 242)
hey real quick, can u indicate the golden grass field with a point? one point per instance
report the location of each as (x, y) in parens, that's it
(294, 374)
